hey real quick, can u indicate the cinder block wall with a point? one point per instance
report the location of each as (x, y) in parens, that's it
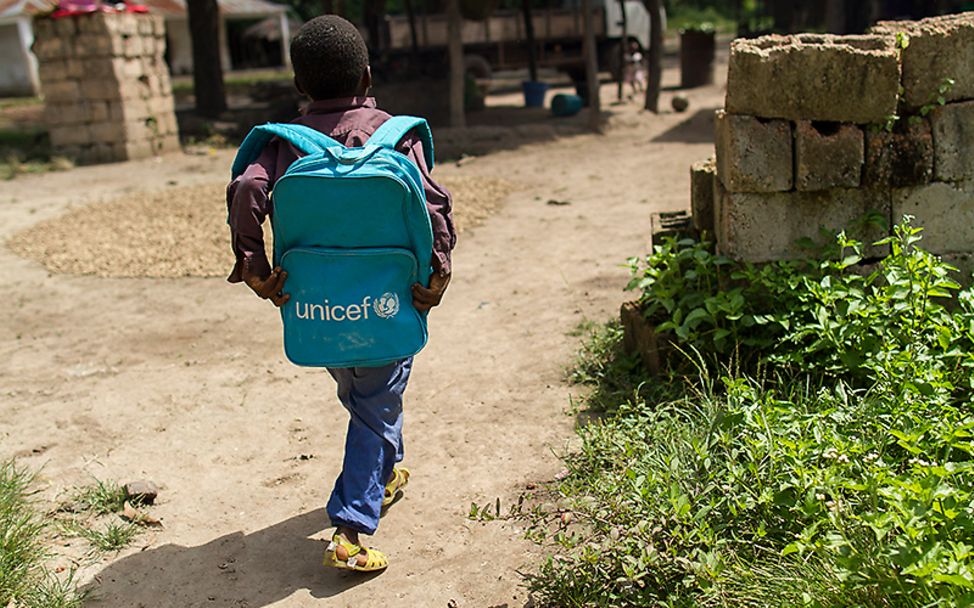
(106, 87)
(820, 130)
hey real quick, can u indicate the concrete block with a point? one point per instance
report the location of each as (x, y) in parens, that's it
(48, 46)
(900, 158)
(60, 91)
(953, 141)
(161, 105)
(129, 69)
(138, 149)
(65, 27)
(814, 76)
(116, 110)
(73, 135)
(71, 113)
(939, 48)
(53, 70)
(763, 227)
(132, 46)
(145, 26)
(166, 144)
(43, 28)
(702, 176)
(108, 132)
(827, 155)
(92, 23)
(92, 45)
(945, 211)
(75, 68)
(100, 90)
(100, 153)
(753, 154)
(98, 111)
(127, 24)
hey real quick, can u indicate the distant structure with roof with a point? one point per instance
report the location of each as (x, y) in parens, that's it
(252, 34)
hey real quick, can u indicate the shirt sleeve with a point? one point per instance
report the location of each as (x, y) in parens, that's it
(248, 203)
(439, 204)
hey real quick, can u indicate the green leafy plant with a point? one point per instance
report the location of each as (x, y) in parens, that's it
(832, 467)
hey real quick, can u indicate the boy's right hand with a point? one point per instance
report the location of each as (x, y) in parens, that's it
(270, 288)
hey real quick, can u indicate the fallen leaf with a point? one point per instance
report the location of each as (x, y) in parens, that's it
(138, 517)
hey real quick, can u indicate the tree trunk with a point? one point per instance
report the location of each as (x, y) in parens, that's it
(783, 13)
(374, 13)
(623, 49)
(835, 16)
(590, 52)
(204, 30)
(529, 38)
(413, 35)
(655, 76)
(454, 35)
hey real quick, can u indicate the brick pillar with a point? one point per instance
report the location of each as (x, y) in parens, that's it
(106, 87)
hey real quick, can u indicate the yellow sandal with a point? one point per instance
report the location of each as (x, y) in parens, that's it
(375, 559)
(400, 477)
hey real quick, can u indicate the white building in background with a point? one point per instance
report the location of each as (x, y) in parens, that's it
(18, 67)
(180, 49)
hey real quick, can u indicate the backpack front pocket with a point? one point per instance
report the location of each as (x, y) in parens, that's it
(350, 307)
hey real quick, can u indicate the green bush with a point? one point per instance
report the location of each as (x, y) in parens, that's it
(831, 466)
(828, 315)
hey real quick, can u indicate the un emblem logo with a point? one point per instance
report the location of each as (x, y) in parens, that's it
(387, 306)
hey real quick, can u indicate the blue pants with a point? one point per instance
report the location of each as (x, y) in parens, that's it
(373, 398)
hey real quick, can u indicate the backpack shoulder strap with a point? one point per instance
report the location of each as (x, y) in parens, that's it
(303, 138)
(391, 132)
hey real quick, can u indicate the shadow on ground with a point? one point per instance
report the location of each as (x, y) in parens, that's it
(242, 570)
(697, 129)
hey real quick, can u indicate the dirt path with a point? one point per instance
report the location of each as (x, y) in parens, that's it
(182, 381)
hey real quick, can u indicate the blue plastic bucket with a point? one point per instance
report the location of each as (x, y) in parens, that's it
(534, 93)
(564, 104)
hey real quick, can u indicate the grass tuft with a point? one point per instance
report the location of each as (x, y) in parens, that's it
(25, 582)
(99, 498)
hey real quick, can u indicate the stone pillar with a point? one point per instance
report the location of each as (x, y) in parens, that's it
(106, 87)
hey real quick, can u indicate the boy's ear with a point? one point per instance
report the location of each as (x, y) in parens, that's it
(297, 85)
(366, 83)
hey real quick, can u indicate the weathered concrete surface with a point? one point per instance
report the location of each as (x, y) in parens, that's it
(753, 155)
(901, 158)
(939, 48)
(814, 76)
(827, 155)
(765, 227)
(953, 141)
(702, 176)
(964, 263)
(945, 211)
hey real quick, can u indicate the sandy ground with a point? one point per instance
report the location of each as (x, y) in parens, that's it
(182, 381)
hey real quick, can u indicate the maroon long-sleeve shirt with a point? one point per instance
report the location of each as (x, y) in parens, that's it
(350, 121)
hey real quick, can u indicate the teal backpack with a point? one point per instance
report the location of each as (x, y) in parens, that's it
(352, 231)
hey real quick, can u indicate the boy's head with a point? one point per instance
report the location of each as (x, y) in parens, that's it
(330, 59)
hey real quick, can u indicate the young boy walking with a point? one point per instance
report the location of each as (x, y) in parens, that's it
(331, 68)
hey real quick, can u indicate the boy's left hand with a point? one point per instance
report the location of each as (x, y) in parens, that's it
(425, 298)
(269, 288)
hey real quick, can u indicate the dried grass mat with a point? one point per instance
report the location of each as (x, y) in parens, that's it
(181, 231)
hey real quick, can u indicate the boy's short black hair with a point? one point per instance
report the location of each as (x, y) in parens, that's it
(329, 57)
